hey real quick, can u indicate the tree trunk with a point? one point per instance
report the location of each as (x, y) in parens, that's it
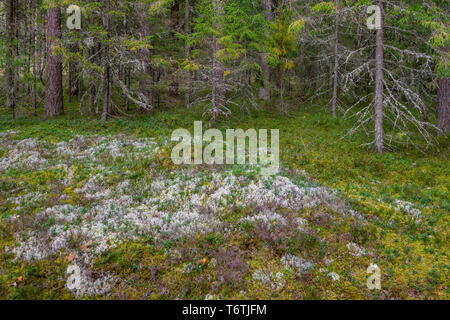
(106, 67)
(187, 52)
(95, 52)
(128, 85)
(54, 104)
(106, 92)
(10, 27)
(175, 21)
(73, 71)
(264, 92)
(336, 60)
(175, 15)
(146, 77)
(443, 107)
(218, 85)
(379, 133)
(36, 60)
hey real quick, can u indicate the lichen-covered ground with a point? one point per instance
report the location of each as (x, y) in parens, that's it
(139, 227)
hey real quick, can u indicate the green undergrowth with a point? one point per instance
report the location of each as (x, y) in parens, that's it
(413, 257)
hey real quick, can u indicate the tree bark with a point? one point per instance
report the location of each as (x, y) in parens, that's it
(264, 92)
(336, 60)
(36, 60)
(73, 72)
(218, 85)
(187, 52)
(443, 107)
(175, 15)
(379, 113)
(95, 52)
(10, 27)
(54, 104)
(146, 77)
(107, 66)
(175, 21)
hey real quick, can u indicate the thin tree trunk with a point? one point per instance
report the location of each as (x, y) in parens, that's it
(36, 58)
(107, 67)
(74, 67)
(80, 94)
(128, 84)
(264, 92)
(54, 104)
(218, 85)
(80, 82)
(175, 15)
(106, 93)
(443, 106)
(35, 70)
(336, 60)
(146, 78)
(214, 85)
(69, 90)
(283, 106)
(187, 52)
(10, 26)
(175, 21)
(29, 26)
(94, 52)
(379, 132)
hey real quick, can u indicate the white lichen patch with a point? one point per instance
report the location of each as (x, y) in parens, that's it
(92, 148)
(296, 264)
(96, 202)
(21, 154)
(82, 283)
(275, 281)
(267, 217)
(354, 250)
(409, 208)
(8, 133)
(36, 154)
(334, 276)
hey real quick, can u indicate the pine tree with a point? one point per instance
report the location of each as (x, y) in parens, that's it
(53, 89)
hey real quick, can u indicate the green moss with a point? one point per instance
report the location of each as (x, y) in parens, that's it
(413, 258)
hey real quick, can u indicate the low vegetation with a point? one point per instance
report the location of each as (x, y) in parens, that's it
(106, 197)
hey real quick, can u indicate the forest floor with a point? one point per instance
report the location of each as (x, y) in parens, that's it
(106, 200)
